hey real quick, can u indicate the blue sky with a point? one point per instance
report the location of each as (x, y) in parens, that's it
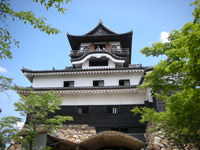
(146, 18)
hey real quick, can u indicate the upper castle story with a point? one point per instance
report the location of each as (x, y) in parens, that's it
(101, 48)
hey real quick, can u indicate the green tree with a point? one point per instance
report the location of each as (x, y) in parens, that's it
(8, 130)
(37, 109)
(6, 40)
(176, 81)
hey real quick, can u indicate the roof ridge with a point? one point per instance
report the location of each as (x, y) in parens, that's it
(100, 24)
(89, 69)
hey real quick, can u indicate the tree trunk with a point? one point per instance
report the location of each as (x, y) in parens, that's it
(31, 145)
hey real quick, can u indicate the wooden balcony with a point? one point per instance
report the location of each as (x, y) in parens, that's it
(117, 52)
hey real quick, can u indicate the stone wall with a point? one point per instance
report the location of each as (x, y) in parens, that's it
(72, 133)
(157, 141)
(75, 133)
(14, 146)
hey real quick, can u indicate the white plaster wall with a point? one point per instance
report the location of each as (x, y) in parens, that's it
(114, 43)
(111, 59)
(148, 95)
(85, 65)
(103, 99)
(111, 79)
(85, 44)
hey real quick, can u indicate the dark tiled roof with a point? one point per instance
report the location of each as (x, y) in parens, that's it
(79, 88)
(100, 29)
(71, 69)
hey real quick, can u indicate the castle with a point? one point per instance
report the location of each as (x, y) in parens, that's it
(98, 91)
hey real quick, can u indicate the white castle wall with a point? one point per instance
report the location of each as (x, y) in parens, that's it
(86, 79)
(84, 63)
(104, 99)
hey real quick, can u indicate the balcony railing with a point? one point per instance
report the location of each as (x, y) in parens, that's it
(121, 51)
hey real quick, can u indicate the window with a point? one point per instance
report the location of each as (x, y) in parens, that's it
(98, 83)
(99, 46)
(86, 48)
(83, 109)
(124, 82)
(113, 47)
(98, 62)
(68, 83)
(113, 109)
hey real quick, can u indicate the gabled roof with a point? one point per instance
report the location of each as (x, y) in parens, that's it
(100, 29)
(100, 34)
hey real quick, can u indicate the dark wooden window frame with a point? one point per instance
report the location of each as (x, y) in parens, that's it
(101, 46)
(68, 84)
(122, 82)
(97, 83)
(112, 110)
(98, 62)
(83, 110)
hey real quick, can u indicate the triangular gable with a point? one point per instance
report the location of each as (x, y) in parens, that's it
(100, 29)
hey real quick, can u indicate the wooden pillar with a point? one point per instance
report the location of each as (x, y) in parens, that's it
(77, 146)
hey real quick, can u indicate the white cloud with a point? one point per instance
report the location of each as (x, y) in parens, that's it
(3, 70)
(164, 37)
(19, 125)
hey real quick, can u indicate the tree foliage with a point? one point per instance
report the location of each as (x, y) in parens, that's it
(176, 81)
(37, 109)
(37, 106)
(8, 130)
(40, 113)
(6, 38)
(5, 83)
(26, 16)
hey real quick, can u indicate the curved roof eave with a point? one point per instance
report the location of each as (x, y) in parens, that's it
(96, 52)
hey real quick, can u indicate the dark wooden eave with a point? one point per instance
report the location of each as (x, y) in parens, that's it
(76, 40)
(76, 88)
(71, 69)
(31, 73)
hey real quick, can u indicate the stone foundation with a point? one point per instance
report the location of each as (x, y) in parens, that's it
(156, 141)
(14, 146)
(75, 133)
